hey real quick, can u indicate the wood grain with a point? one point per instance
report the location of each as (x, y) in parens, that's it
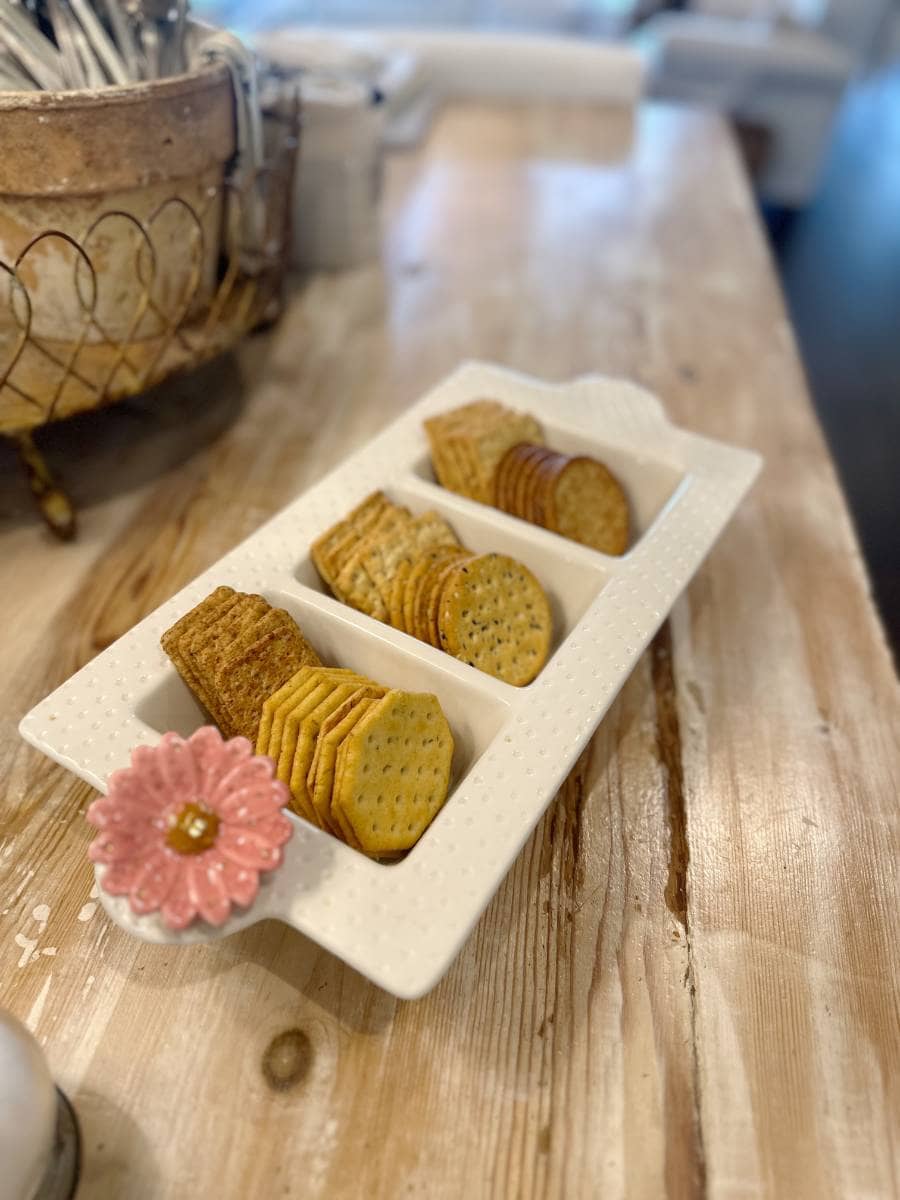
(686, 987)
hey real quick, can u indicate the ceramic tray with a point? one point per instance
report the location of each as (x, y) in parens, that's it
(402, 924)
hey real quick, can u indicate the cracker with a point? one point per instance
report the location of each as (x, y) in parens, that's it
(354, 584)
(490, 441)
(356, 522)
(526, 463)
(415, 579)
(434, 598)
(544, 480)
(338, 819)
(274, 701)
(494, 615)
(383, 550)
(398, 586)
(588, 505)
(307, 732)
(247, 678)
(332, 732)
(204, 648)
(506, 469)
(417, 572)
(395, 771)
(199, 617)
(431, 581)
(291, 698)
(290, 732)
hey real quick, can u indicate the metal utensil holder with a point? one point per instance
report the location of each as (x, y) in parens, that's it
(218, 298)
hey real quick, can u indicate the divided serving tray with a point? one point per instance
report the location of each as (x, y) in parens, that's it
(401, 924)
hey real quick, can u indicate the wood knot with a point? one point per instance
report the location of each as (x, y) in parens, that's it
(287, 1060)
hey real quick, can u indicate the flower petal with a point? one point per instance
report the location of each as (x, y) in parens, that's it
(241, 845)
(210, 757)
(178, 909)
(127, 787)
(153, 882)
(207, 889)
(254, 803)
(242, 883)
(113, 846)
(145, 763)
(131, 819)
(118, 878)
(274, 830)
(176, 758)
(249, 774)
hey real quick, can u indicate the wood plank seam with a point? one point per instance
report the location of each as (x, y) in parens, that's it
(668, 735)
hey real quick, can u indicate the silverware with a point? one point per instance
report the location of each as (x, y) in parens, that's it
(97, 42)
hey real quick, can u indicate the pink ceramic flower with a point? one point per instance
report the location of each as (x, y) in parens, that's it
(189, 826)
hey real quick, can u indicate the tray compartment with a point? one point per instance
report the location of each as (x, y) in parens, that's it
(649, 480)
(476, 714)
(571, 576)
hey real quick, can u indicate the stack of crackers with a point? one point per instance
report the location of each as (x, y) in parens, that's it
(369, 764)
(486, 609)
(491, 454)
(233, 650)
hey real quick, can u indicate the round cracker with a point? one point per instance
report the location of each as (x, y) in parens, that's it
(587, 504)
(525, 463)
(532, 481)
(543, 482)
(418, 569)
(494, 615)
(427, 584)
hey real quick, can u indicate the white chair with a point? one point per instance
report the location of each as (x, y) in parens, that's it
(782, 65)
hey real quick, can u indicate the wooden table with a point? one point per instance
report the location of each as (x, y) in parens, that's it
(684, 987)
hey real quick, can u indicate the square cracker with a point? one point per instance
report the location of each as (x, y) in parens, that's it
(204, 648)
(247, 678)
(354, 523)
(354, 585)
(200, 617)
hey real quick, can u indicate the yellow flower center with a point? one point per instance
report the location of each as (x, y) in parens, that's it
(192, 830)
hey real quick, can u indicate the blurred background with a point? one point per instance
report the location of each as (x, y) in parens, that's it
(812, 88)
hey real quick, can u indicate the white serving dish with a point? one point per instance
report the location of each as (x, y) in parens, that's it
(402, 924)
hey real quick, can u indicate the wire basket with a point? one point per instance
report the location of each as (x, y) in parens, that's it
(156, 278)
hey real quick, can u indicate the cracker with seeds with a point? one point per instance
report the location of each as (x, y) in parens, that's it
(587, 504)
(494, 615)
(415, 578)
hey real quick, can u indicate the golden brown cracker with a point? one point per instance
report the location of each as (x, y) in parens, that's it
(395, 771)
(494, 615)
(307, 732)
(398, 586)
(355, 524)
(588, 505)
(274, 701)
(417, 571)
(332, 732)
(245, 679)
